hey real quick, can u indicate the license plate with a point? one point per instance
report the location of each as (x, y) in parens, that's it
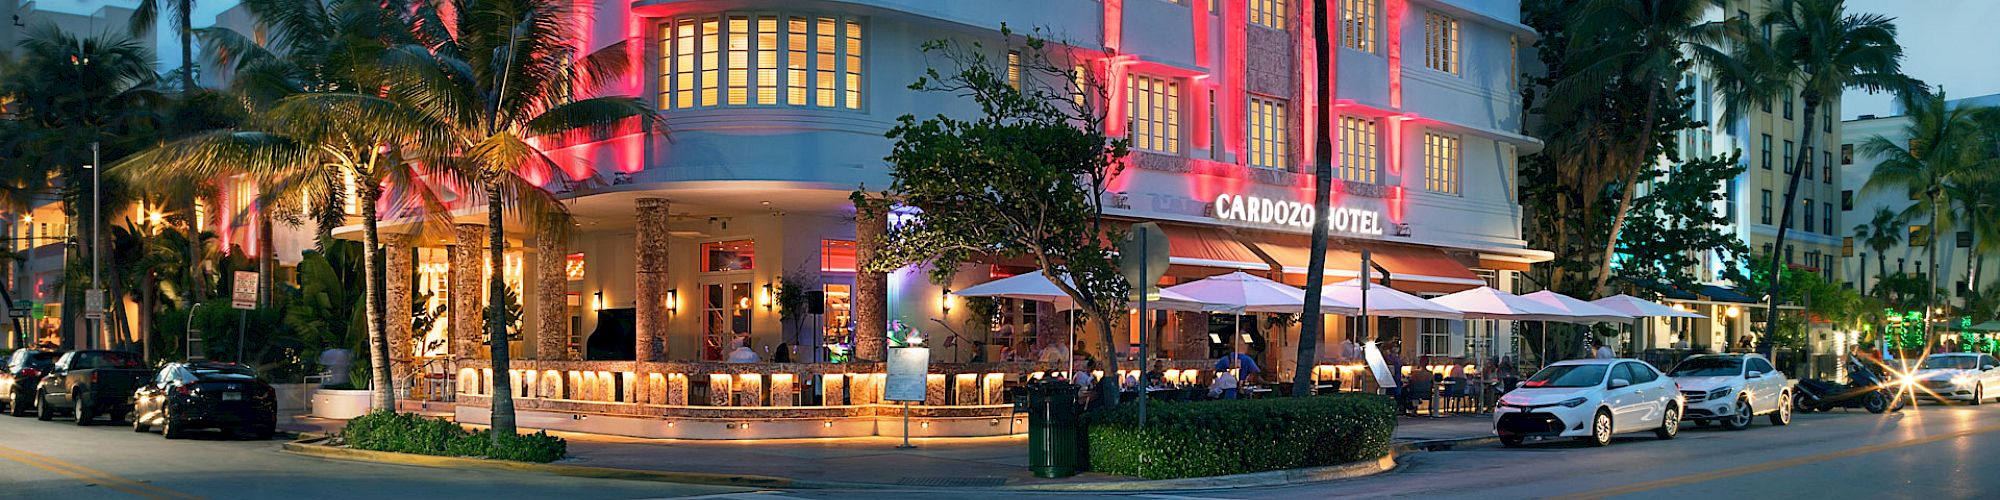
(232, 396)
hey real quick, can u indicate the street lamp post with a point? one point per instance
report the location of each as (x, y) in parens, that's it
(96, 244)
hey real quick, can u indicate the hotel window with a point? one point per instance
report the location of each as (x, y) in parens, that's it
(1847, 200)
(1357, 149)
(1441, 42)
(1014, 69)
(1788, 106)
(837, 256)
(1357, 24)
(1082, 82)
(1827, 125)
(1433, 338)
(1268, 13)
(1847, 246)
(1788, 158)
(1441, 163)
(1268, 132)
(1155, 112)
(1826, 167)
(724, 256)
(1826, 217)
(1847, 154)
(1767, 151)
(1766, 104)
(734, 60)
(1766, 205)
(1809, 167)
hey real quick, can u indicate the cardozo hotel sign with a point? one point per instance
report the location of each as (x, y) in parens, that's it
(1266, 211)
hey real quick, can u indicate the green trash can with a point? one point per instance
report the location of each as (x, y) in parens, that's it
(1052, 429)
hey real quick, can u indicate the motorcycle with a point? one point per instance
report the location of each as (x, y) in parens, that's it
(1865, 389)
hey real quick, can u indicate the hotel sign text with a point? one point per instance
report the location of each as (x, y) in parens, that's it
(1251, 209)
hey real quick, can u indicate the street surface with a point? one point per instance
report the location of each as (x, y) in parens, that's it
(1930, 452)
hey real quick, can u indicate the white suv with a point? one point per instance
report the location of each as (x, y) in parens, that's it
(1733, 389)
(1590, 399)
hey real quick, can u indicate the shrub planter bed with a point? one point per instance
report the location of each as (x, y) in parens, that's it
(416, 434)
(1213, 438)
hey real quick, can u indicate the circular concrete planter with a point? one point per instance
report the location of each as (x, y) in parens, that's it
(340, 404)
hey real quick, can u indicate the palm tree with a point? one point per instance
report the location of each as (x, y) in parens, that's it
(1940, 151)
(148, 11)
(1880, 234)
(1974, 202)
(313, 132)
(1638, 46)
(501, 73)
(1822, 50)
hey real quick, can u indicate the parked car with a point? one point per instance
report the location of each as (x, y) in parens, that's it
(1957, 376)
(19, 376)
(89, 384)
(206, 394)
(1733, 389)
(1590, 399)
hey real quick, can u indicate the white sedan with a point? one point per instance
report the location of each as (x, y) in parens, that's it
(1590, 399)
(1733, 389)
(1958, 376)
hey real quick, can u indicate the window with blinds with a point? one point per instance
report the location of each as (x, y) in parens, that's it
(745, 59)
(1441, 42)
(1357, 24)
(1357, 149)
(1155, 113)
(1441, 163)
(1269, 128)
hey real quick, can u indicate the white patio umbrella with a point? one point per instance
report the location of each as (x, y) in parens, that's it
(1578, 309)
(1385, 301)
(1243, 292)
(1035, 286)
(1642, 308)
(1488, 303)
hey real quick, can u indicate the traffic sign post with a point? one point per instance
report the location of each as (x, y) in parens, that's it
(243, 298)
(1143, 257)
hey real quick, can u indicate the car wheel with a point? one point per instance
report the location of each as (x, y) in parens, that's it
(1670, 424)
(139, 423)
(1784, 414)
(42, 411)
(1978, 394)
(82, 412)
(1741, 419)
(1512, 441)
(19, 407)
(169, 429)
(1600, 429)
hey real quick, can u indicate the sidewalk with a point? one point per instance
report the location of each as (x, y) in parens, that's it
(936, 462)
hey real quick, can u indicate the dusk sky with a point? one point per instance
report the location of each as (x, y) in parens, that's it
(1950, 43)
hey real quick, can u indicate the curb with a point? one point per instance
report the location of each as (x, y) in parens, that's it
(1423, 445)
(1250, 480)
(311, 447)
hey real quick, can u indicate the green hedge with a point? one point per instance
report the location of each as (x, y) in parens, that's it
(412, 433)
(1212, 438)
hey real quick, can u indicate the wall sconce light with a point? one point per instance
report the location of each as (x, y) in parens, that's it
(673, 300)
(944, 301)
(1732, 311)
(766, 299)
(597, 301)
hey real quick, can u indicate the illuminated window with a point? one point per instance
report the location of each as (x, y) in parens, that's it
(753, 59)
(573, 266)
(1082, 81)
(836, 256)
(1357, 24)
(1269, 128)
(1441, 163)
(1154, 106)
(1357, 149)
(1268, 13)
(1014, 69)
(720, 256)
(1441, 42)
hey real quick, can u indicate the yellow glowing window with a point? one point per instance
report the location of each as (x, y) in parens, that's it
(1268, 13)
(1357, 24)
(1441, 42)
(1441, 163)
(1154, 112)
(1269, 128)
(1357, 149)
(760, 60)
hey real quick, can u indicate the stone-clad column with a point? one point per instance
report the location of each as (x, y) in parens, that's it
(552, 290)
(400, 263)
(468, 267)
(651, 289)
(871, 289)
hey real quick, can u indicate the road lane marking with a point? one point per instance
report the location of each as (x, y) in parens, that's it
(92, 476)
(1769, 466)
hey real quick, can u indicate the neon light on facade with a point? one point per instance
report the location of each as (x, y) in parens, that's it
(1264, 211)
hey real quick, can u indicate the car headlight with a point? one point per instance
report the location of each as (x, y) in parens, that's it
(1720, 392)
(1572, 402)
(1960, 380)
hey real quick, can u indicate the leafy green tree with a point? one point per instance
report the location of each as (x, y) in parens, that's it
(499, 76)
(1820, 49)
(1675, 223)
(1024, 178)
(1941, 151)
(1882, 232)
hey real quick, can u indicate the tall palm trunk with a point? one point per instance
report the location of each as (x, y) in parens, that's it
(149, 300)
(267, 259)
(187, 46)
(1643, 161)
(1930, 248)
(383, 384)
(503, 383)
(1312, 324)
(1798, 167)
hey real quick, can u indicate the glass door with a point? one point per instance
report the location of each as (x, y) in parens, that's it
(725, 316)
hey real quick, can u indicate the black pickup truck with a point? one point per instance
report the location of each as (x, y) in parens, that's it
(91, 383)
